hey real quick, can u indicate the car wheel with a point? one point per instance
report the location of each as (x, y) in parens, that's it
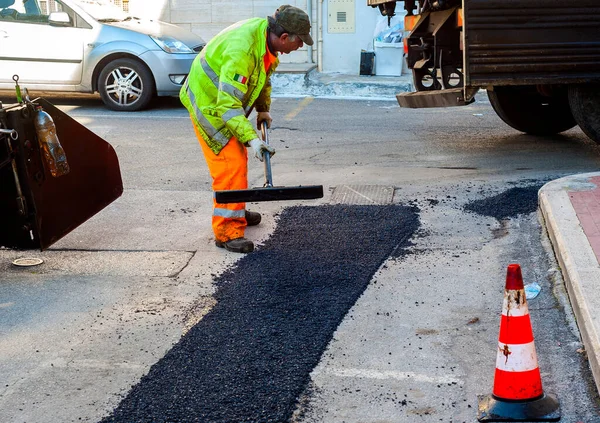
(126, 85)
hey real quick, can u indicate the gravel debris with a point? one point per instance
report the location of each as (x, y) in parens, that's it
(507, 204)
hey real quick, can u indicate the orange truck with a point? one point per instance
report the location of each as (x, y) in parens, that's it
(538, 60)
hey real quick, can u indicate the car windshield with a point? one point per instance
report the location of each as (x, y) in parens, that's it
(103, 10)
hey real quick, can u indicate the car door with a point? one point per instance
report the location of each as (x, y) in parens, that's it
(39, 52)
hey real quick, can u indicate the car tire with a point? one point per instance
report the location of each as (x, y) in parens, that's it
(526, 110)
(126, 85)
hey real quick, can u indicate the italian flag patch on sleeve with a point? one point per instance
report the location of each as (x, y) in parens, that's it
(240, 78)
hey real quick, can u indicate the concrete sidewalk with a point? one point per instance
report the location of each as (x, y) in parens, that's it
(571, 210)
(303, 80)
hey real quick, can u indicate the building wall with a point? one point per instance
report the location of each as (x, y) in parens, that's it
(341, 51)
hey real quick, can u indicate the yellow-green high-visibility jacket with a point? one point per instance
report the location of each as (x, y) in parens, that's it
(226, 80)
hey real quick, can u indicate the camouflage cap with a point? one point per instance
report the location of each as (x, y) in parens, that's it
(294, 21)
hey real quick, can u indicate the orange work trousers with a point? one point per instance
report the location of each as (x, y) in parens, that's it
(229, 170)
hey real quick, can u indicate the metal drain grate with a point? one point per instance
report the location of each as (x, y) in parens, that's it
(362, 194)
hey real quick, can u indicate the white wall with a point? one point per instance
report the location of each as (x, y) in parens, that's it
(341, 52)
(208, 17)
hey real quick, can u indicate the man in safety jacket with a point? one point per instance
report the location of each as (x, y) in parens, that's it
(229, 78)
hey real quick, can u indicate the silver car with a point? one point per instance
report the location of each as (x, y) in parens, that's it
(91, 46)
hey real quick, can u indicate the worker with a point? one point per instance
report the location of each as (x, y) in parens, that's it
(229, 78)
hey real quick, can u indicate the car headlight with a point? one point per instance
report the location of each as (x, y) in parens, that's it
(170, 44)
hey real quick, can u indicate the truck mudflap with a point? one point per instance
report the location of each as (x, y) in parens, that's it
(38, 209)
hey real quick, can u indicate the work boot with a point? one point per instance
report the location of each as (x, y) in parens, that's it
(238, 245)
(252, 218)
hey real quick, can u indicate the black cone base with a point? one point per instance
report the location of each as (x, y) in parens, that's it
(543, 409)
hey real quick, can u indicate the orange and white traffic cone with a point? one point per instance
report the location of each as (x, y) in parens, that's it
(517, 395)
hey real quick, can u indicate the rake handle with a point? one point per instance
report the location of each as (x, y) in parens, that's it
(266, 156)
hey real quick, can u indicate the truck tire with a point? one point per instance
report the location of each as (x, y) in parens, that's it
(526, 110)
(126, 85)
(585, 105)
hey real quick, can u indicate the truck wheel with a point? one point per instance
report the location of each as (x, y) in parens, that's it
(126, 85)
(526, 110)
(585, 106)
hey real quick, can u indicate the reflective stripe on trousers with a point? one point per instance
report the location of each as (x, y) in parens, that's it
(229, 170)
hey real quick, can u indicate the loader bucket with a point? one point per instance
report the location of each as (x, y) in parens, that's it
(38, 209)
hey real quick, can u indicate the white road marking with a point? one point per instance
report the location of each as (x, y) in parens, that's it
(386, 374)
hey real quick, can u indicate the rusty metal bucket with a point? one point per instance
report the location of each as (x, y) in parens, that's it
(37, 209)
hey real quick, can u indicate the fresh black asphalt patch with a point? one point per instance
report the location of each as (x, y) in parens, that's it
(509, 203)
(250, 358)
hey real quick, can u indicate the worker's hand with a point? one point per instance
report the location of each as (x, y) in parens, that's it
(259, 147)
(263, 116)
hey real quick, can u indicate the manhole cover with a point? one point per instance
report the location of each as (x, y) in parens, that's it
(362, 194)
(26, 262)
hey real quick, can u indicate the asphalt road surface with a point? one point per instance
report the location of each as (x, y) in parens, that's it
(379, 303)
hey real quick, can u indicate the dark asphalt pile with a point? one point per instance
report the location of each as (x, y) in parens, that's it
(510, 203)
(250, 358)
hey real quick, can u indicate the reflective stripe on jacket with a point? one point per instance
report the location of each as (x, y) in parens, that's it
(226, 80)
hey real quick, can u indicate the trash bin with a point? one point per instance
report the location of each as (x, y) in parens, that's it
(367, 63)
(388, 58)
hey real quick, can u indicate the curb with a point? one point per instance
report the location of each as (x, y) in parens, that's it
(341, 86)
(578, 263)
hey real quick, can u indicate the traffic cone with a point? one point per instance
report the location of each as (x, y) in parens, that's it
(517, 395)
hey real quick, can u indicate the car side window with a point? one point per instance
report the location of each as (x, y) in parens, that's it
(29, 11)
